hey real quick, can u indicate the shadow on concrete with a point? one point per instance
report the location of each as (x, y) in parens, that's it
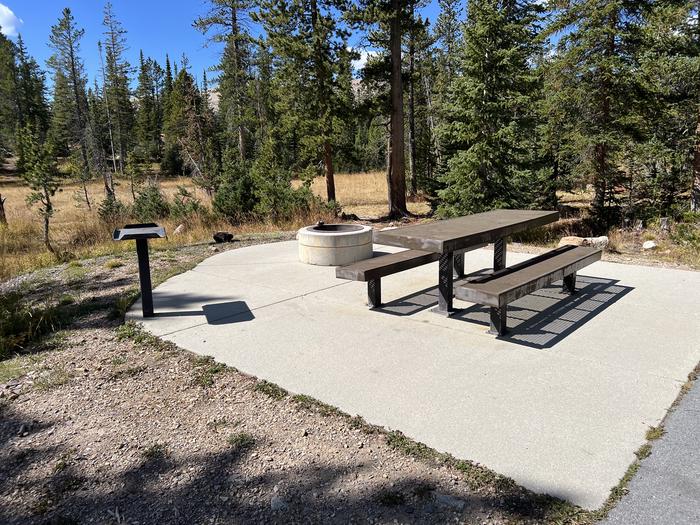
(216, 314)
(539, 320)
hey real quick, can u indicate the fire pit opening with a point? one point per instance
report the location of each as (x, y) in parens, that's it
(331, 228)
(334, 244)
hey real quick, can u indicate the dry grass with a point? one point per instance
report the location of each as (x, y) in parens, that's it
(77, 231)
(364, 194)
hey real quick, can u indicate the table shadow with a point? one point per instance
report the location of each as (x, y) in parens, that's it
(539, 320)
(218, 313)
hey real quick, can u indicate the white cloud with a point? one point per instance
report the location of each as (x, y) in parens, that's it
(359, 64)
(9, 22)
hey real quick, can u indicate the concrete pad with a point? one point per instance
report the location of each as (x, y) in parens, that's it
(560, 405)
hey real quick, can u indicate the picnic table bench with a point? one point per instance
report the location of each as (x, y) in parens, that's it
(446, 241)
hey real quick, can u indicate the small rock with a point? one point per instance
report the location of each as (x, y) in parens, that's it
(649, 245)
(595, 242)
(277, 503)
(213, 249)
(571, 241)
(179, 229)
(221, 237)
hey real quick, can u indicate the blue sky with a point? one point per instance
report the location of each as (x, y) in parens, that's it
(156, 26)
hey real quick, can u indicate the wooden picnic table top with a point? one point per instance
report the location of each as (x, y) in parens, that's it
(462, 232)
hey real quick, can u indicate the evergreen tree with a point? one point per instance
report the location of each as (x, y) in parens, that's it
(30, 92)
(306, 35)
(116, 84)
(389, 19)
(596, 60)
(489, 110)
(147, 129)
(42, 177)
(223, 24)
(65, 41)
(63, 125)
(8, 108)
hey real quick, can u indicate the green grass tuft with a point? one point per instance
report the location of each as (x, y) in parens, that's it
(655, 433)
(270, 390)
(241, 440)
(156, 451)
(113, 263)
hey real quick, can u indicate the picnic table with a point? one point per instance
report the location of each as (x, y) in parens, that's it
(451, 237)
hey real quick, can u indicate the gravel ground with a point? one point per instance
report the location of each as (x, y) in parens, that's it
(102, 424)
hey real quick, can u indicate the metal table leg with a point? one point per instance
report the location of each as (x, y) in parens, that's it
(498, 317)
(145, 278)
(499, 254)
(445, 283)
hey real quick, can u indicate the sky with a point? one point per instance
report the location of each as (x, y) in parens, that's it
(155, 26)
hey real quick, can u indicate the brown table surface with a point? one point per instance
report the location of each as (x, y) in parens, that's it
(462, 232)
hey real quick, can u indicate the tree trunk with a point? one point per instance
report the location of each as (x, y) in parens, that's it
(695, 190)
(48, 209)
(75, 80)
(323, 107)
(109, 182)
(601, 149)
(87, 197)
(3, 216)
(237, 71)
(397, 177)
(330, 172)
(412, 113)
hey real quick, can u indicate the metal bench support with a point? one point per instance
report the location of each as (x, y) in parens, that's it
(459, 265)
(569, 283)
(374, 293)
(498, 320)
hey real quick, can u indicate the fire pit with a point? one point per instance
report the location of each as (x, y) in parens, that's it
(334, 244)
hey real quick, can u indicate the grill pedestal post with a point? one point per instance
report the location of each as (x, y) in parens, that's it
(145, 278)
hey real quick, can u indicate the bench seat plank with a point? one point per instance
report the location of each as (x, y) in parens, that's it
(378, 267)
(507, 285)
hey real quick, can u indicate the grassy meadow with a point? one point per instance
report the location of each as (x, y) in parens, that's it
(78, 231)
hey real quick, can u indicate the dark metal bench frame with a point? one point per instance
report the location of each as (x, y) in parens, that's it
(373, 276)
(498, 311)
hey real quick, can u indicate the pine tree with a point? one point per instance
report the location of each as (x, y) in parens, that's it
(30, 91)
(223, 24)
(596, 62)
(391, 17)
(8, 107)
(42, 177)
(308, 37)
(116, 83)
(65, 41)
(63, 123)
(488, 112)
(147, 128)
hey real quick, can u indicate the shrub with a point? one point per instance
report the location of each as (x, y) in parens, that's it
(150, 204)
(172, 162)
(276, 198)
(112, 210)
(235, 198)
(20, 324)
(185, 204)
(687, 234)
